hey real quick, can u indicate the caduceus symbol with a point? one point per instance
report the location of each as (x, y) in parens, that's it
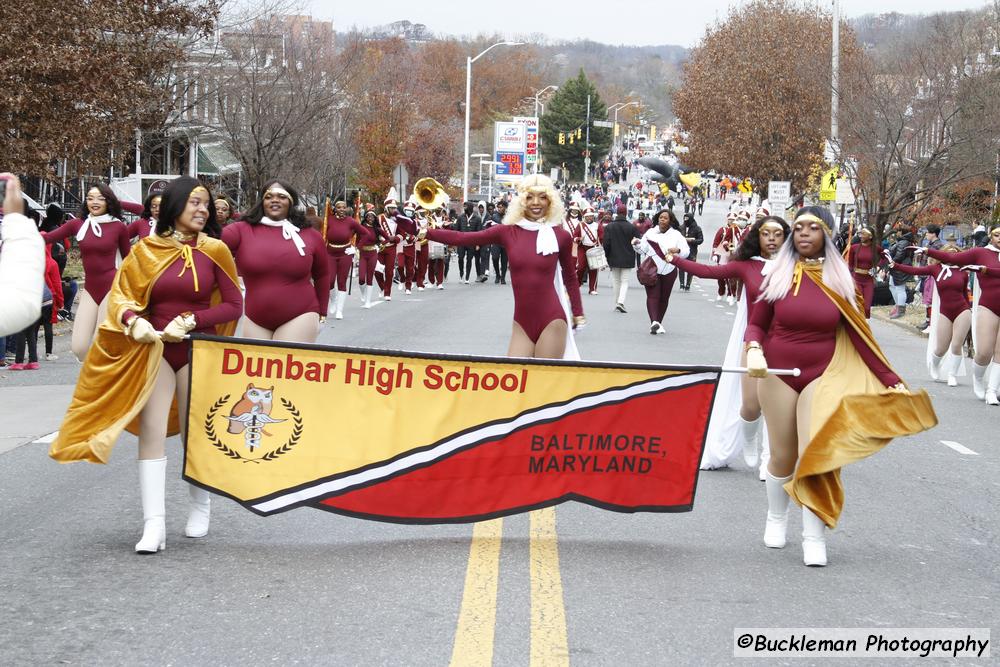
(254, 421)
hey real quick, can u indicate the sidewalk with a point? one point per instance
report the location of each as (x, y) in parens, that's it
(27, 413)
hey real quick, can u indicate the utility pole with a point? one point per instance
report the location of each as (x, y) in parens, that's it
(586, 153)
(835, 81)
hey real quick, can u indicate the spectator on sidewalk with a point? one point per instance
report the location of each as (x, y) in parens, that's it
(900, 254)
(21, 263)
(618, 236)
(694, 236)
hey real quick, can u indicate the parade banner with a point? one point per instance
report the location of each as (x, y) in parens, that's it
(436, 438)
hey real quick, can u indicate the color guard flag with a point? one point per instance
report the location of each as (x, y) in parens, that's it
(434, 438)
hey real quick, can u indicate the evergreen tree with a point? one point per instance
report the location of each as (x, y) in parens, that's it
(567, 111)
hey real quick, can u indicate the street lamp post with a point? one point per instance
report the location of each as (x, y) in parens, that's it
(537, 105)
(479, 188)
(618, 106)
(468, 100)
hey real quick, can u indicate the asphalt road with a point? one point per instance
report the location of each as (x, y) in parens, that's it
(916, 546)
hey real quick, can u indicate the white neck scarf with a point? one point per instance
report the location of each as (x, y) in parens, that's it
(545, 242)
(289, 232)
(152, 225)
(944, 273)
(93, 224)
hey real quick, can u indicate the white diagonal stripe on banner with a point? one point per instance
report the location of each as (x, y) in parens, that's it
(489, 432)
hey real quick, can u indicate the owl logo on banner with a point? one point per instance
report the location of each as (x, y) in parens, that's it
(248, 417)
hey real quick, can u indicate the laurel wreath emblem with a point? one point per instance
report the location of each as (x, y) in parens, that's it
(269, 456)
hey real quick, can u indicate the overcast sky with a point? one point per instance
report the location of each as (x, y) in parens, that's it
(636, 22)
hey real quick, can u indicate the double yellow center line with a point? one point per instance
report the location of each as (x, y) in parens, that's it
(474, 636)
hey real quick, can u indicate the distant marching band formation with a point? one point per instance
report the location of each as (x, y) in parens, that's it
(191, 262)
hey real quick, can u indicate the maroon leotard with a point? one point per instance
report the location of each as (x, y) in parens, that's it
(281, 284)
(749, 271)
(97, 252)
(140, 228)
(173, 294)
(952, 290)
(338, 233)
(989, 281)
(800, 331)
(532, 276)
(862, 260)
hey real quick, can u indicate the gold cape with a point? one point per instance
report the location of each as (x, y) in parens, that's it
(118, 374)
(853, 416)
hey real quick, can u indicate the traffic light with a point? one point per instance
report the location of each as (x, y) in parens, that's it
(579, 133)
(652, 133)
(571, 137)
(562, 138)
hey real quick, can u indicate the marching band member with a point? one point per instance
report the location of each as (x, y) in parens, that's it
(284, 265)
(424, 220)
(837, 410)
(589, 234)
(985, 262)
(368, 256)
(102, 238)
(391, 237)
(726, 240)
(951, 315)
(146, 223)
(179, 279)
(759, 246)
(437, 252)
(862, 260)
(340, 228)
(661, 240)
(408, 246)
(541, 270)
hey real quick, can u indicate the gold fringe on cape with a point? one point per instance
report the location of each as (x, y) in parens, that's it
(118, 374)
(853, 416)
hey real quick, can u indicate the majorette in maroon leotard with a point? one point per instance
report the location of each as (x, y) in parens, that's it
(952, 288)
(748, 271)
(862, 260)
(338, 236)
(173, 293)
(989, 281)
(97, 252)
(532, 275)
(281, 284)
(800, 331)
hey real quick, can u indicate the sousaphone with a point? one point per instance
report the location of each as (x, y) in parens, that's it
(429, 194)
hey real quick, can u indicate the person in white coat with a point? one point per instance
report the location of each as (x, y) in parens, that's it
(663, 238)
(22, 263)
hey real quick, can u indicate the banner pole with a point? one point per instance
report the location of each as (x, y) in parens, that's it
(770, 371)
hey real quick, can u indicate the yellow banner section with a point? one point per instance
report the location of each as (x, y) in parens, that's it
(265, 418)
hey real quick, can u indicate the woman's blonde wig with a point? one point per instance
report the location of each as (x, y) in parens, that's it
(535, 182)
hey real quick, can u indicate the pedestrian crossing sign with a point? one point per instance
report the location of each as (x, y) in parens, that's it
(828, 185)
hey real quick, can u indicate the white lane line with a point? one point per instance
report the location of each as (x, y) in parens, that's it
(46, 439)
(959, 448)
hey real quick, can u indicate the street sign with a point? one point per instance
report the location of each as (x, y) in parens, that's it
(828, 185)
(844, 193)
(603, 123)
(779, 194)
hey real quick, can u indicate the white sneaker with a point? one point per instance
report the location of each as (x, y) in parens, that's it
(420, 289)
(653, 326)
(51, 357)
(718, 297)
(440, 286)
(388, 298)
(409, 292)
(660, 328)
(991, 397)
(731, 300)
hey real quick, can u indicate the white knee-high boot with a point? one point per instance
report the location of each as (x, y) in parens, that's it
(152, 489)
(994, 385)
(777, 510)
(200, 512)
(368, 296)
(953, 364)
(934, 367)
(748, 432)
(978, 379)
(813, 539)
(334, 296)
(341, 298)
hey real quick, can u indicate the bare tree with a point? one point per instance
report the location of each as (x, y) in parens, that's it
(923, 116)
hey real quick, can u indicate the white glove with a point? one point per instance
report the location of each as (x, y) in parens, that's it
(141, 331)
(178, 327)
(349, 251)
(756, 363)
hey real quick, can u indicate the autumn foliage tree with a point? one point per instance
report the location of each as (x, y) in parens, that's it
(80, 77)
(755, 97)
